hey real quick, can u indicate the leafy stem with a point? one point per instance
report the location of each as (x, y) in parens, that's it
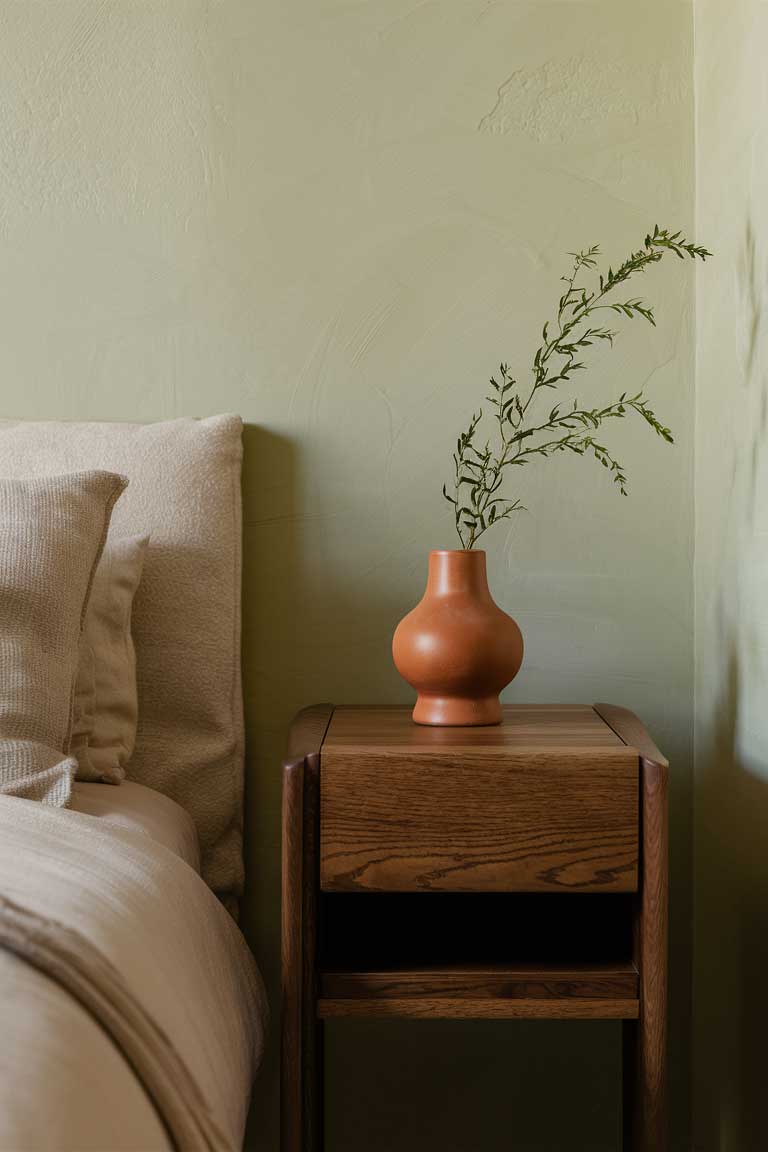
(479, 471)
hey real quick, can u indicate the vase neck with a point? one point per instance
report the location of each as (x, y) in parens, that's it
(457, 573)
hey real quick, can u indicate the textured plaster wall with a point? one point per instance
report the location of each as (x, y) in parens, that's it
(336, 218)
(731, 796)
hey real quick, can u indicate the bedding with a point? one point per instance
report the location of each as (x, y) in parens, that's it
(131, 1010)
(52, 532)
(106, 702)
(184, 491)
(142, 810)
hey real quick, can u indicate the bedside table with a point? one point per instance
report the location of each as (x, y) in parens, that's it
(501, 872)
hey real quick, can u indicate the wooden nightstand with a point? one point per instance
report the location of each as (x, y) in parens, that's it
(555, 822)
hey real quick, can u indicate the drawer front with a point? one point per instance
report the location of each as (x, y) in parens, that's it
(527, 823)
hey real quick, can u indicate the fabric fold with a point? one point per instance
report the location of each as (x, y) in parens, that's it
(68, 958)
(128, 932)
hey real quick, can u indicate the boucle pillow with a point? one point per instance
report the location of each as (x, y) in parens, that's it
(52, 531)
(106, 701)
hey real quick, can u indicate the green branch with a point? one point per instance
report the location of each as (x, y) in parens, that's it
(479, 471)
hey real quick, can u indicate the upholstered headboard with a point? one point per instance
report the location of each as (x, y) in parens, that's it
(184, 489)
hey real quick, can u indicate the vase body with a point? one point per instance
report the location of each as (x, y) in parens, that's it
(457, 648)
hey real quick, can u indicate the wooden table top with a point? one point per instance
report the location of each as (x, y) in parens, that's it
(538, 727)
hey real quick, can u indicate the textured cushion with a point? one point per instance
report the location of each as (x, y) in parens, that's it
(185, 492)
(52, 532)
(106, 702)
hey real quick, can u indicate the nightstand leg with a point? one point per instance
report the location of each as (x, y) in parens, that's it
(313, 1048)
(645, 1040)
(291, 1050)
(301, 1088)
(313, 1091)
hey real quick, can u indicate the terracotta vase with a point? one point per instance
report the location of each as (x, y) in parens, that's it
(457, 648)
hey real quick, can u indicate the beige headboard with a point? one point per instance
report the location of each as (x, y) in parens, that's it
(184, 488)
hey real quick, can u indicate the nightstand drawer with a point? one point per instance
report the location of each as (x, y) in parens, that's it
(529, 822)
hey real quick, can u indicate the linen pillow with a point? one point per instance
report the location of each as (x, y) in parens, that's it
(185, 491)
(106, 700)
(52, 531)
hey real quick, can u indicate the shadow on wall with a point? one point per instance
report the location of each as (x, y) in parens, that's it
(312, 632)
(732, 848)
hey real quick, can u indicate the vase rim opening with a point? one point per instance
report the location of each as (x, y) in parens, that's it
(457, 552)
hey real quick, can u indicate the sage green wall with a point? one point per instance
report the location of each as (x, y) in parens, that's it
(731, 793)
(336, 218)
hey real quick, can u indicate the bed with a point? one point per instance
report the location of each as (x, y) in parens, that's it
(132, 1012)
(142, 810)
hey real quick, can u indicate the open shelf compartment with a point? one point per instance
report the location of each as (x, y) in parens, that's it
(488, 955)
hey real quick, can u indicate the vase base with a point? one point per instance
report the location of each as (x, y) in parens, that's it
(456, 711)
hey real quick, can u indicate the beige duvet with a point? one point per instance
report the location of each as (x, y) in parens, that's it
(131, 1012)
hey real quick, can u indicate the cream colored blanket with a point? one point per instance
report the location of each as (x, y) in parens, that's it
(131, 1012)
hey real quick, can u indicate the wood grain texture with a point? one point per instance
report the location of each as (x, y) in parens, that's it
(312, 1028)
(551, 807)
(395, 820)
(308, 731)
(524, 726)
(486, 982)
(631, 731)
(443, 1008)
(645, 1041)
(645, 1044)
(301, 1036)
(291, 1101)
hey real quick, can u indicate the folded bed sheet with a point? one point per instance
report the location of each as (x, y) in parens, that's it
(131, 1010)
